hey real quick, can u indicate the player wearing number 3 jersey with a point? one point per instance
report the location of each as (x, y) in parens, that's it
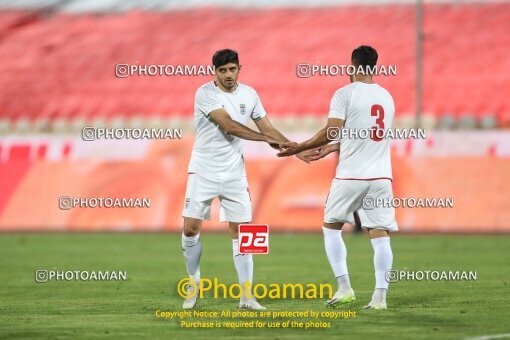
(363, 175)
(363, 106)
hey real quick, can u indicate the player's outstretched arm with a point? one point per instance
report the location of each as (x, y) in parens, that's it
(230, 126)
(264, 125)
(321, 138)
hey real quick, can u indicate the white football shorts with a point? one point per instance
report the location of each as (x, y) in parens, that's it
(372, 199)
(234, 196)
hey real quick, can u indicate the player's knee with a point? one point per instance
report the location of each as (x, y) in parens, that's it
(336, 226)
(233, 227)
(190, 232)
(376, 233)
(190, 228)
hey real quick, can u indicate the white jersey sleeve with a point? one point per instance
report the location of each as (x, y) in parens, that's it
(340, 103)
(207, 101)
(258, 111)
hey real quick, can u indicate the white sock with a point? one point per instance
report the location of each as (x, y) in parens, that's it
(337, 256)
(192, 250)
(344, 284)
(244, 268)
(383, 259)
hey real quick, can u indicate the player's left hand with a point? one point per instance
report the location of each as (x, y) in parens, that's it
(288, 149)
(302, 156)
(318, 153)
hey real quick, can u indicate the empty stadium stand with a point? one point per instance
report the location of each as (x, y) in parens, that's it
(59, 66)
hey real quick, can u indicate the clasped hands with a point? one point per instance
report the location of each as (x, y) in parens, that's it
(292, 148)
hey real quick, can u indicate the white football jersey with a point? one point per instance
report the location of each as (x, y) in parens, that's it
(363, 106)
(217, 155)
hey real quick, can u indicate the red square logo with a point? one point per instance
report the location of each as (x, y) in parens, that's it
(253, 238)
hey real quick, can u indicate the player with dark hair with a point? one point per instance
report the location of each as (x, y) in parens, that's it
(216, 168)
(364, 171)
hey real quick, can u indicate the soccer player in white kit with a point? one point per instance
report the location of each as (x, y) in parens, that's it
(216, 169)
(363, 175)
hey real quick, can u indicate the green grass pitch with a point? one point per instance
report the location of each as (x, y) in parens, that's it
(154, 264)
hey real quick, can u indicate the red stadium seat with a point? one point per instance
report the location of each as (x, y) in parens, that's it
(63, 66)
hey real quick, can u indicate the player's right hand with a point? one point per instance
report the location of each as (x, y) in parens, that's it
(309, 155)
(288, 149)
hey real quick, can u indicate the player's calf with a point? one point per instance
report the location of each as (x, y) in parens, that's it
(192, 251)
(383, 259)
(337, 256)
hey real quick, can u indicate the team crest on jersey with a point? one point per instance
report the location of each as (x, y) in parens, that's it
(186, 204)
(242, 108)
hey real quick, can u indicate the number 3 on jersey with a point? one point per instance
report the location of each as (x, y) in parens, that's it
(378, 112)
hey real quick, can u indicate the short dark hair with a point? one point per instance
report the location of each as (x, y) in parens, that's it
(364, 56)
(223, 57)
